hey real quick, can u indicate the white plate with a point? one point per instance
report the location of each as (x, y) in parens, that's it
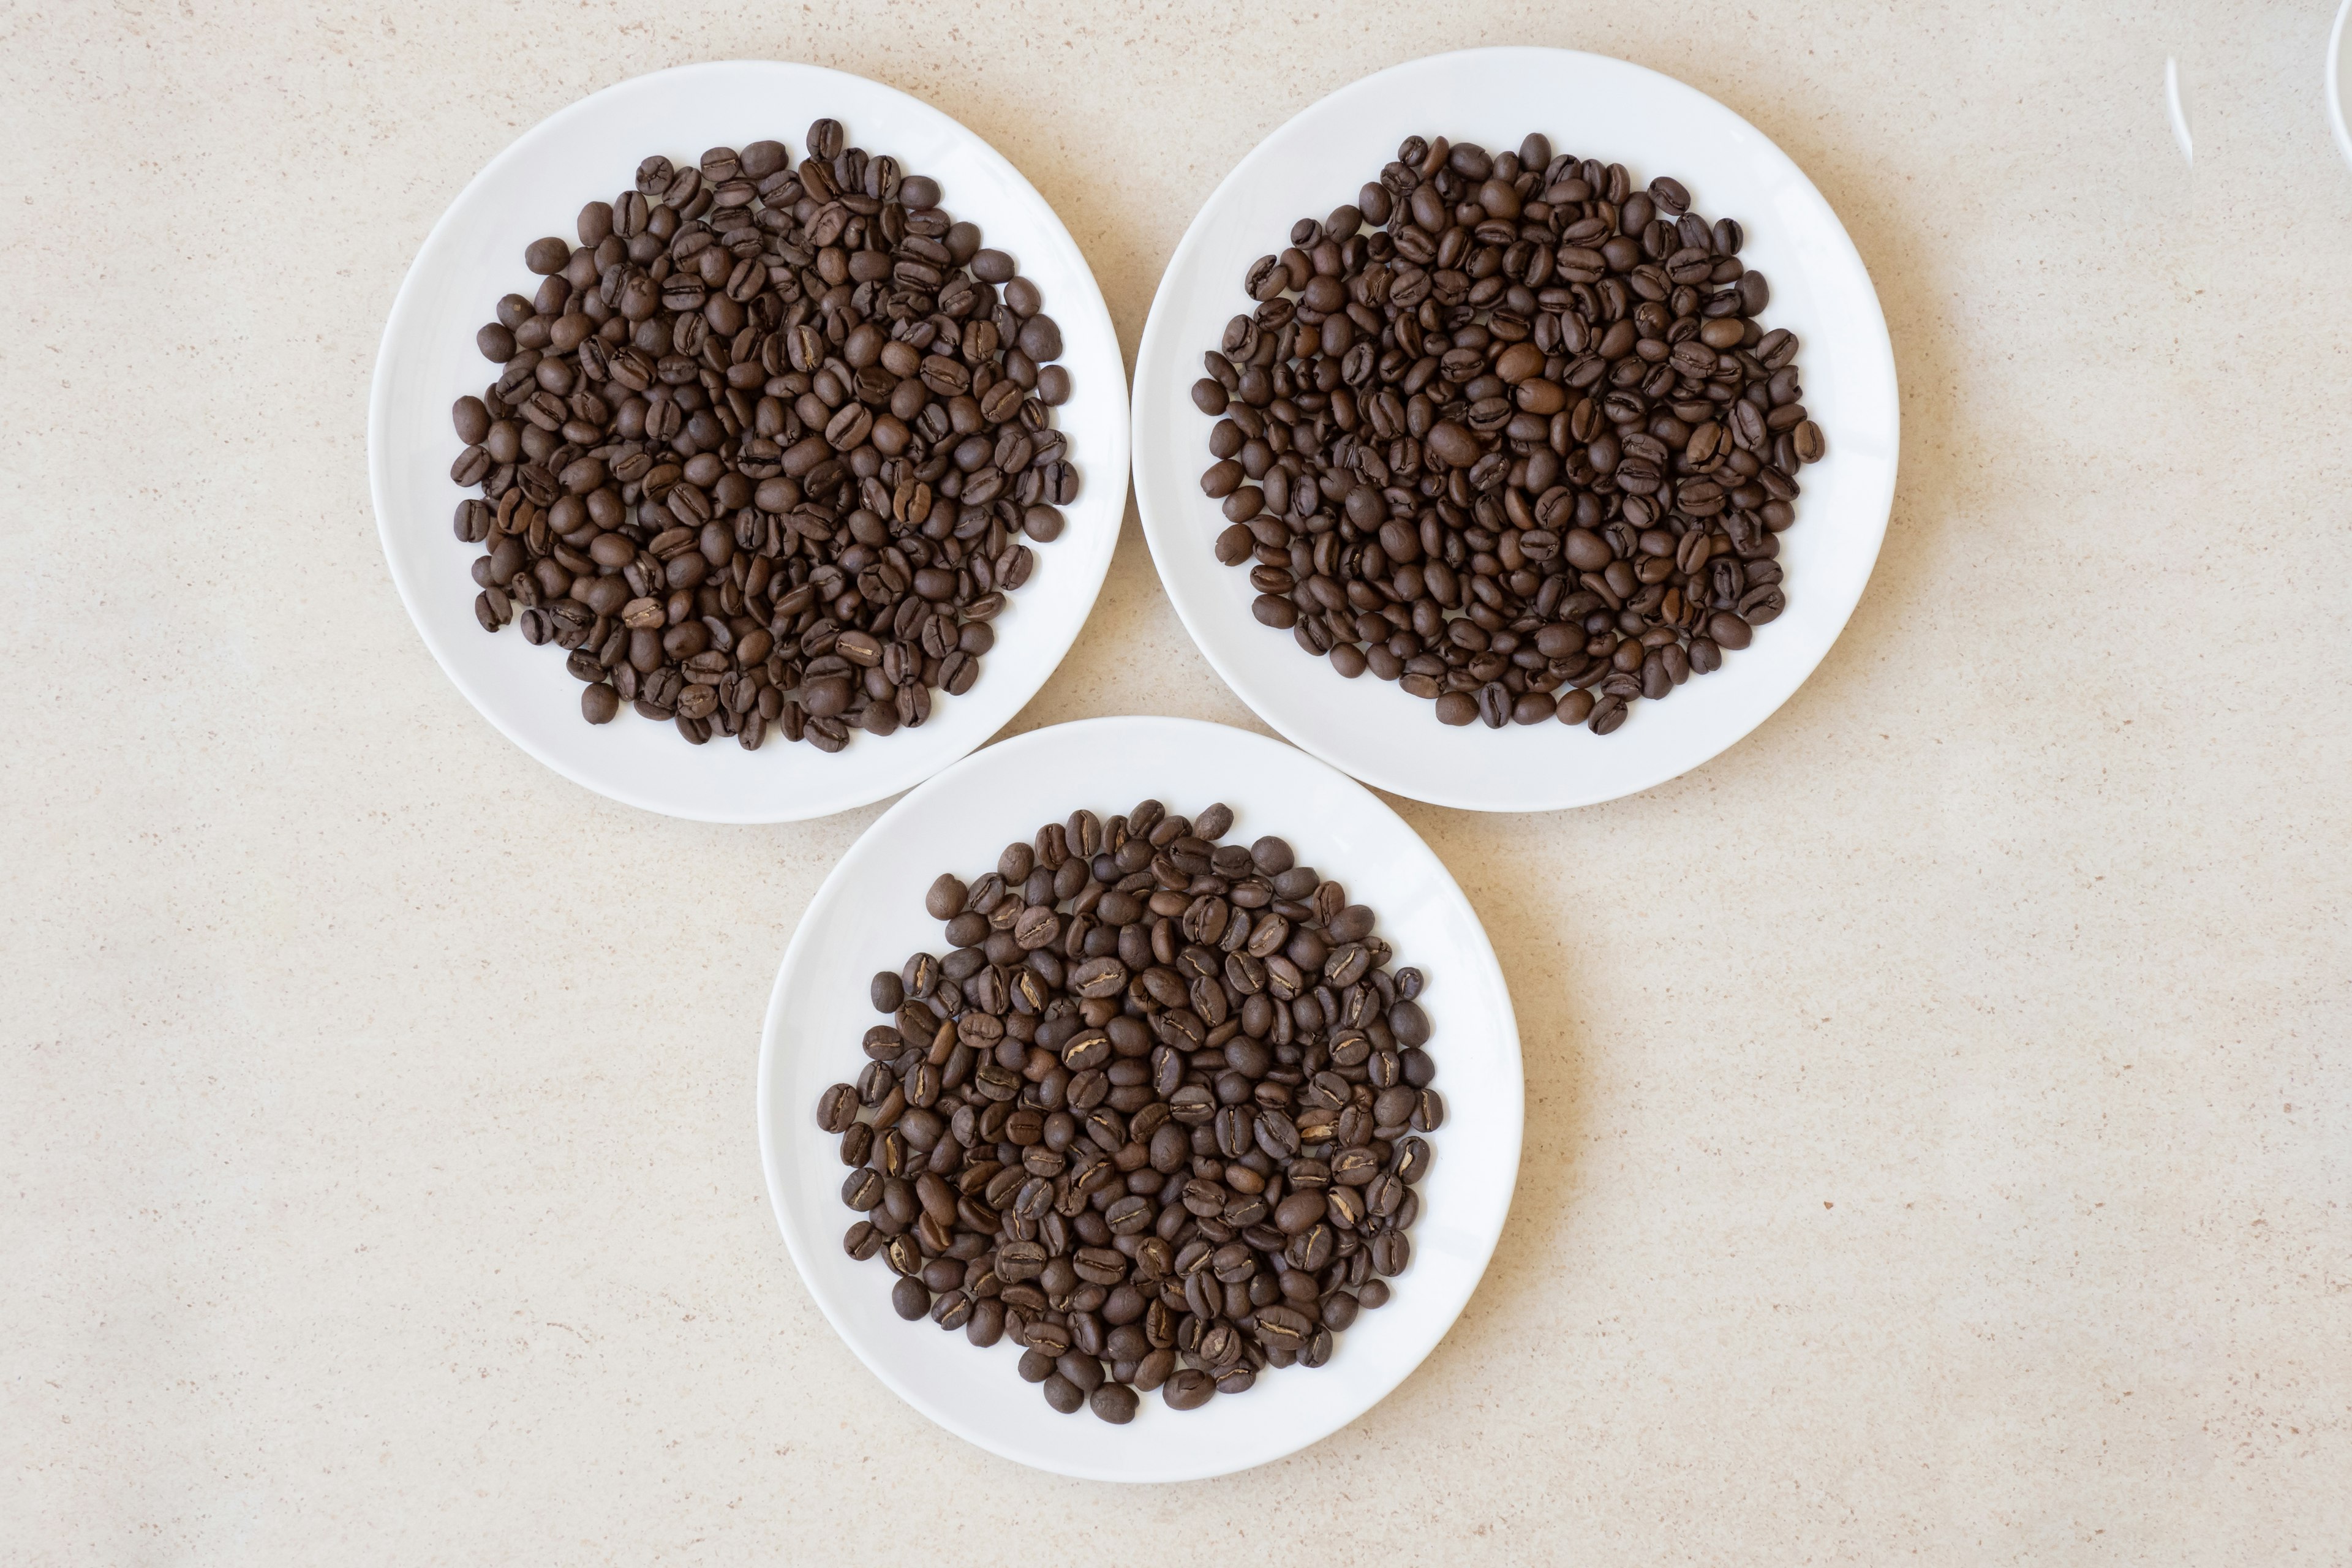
(474, 255)
(869, 915)
(1593, 107)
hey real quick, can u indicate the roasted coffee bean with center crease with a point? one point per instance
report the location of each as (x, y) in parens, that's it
(708, 423)
(1106, 1128)
(1053, 1338)
(838, 1109)
(1492, 431)
(1189, 1389)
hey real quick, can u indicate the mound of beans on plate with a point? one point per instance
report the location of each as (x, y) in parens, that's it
(764, 447)
(1507, 432)
(1156, 1114)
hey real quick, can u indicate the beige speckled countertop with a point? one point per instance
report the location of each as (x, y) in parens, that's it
(1939, 1124)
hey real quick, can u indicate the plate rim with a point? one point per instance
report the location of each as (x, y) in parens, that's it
(1155, 358)
(766, 1085)
(1116, 463)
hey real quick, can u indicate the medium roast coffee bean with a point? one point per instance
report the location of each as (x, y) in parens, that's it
(766, 445)
(1155, 1116)
(1506, 431)
(838, 1108)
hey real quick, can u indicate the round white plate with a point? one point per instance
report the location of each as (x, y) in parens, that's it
(1596, 108)
(474, 255)
(869, 915)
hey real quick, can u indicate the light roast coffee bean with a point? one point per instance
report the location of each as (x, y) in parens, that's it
(765, 446)
(1506, 432)
(1156, 1115)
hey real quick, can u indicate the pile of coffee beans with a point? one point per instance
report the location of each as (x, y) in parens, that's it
(1154, 1116)
(764, 445)
(1506, 432)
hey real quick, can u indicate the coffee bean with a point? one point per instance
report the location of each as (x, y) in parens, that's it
(1135, 1119)
(944, 902)
(740, 420)
(987, 1325)
(1298, 1212)
(472, 420)
(838, 1108)
(1083, 1371)
(1489, 434)
(1188, 1389)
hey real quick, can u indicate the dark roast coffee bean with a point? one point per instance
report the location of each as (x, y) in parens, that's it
(1083, 1371)
(987, 1325)
(1188, 1389)
(1122, 1000)
(1494, 433)
(788, 428)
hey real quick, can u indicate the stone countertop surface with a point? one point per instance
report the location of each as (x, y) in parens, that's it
(1940, 1128)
